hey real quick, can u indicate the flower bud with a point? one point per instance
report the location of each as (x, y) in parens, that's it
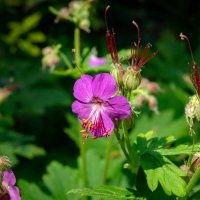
(117, 73)
(153, 103)
(50, 57)
(131, 79)
(4, 163)
(195, 161)
(192, 110)
(127, 166)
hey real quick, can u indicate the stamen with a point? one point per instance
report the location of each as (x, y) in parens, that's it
(105, 15)
(195, 74)
(110, 40)
(106, 133)
(184, 37)
(139, 38)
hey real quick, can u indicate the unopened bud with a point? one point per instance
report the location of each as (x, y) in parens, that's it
(186, 169)
(132, 79)
(127, 166)
(195, 161)
(85, 25)
(153, 103)
(192, 110)
(117, 73)
(4, 163)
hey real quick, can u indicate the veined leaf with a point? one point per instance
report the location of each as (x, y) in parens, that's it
(31, 191)
(181, 149)
(107, 192)
(159, 169)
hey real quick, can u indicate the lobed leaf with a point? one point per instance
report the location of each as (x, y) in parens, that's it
(107, 192)
(159, 169)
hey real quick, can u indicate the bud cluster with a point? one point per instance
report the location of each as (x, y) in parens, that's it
(128, 78)
(192, 110)
(77, 12)
(50, 57)
(145, 94)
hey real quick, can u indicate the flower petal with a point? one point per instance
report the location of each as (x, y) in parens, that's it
(103, 126)
(14, 193)
(83, 88)
(9, 178)
(83, 110)
(118, 107)
(104, 86)
(96, 61)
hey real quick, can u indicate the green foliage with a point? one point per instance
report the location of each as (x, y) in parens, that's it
(16, 39)
(58, 180)
(157, 167)
(13, 144)
(163, 124)
(107, 192)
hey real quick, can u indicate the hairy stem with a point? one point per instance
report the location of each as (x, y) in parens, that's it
(121, 142)
(65, 60)
(83, 167)
(107, 159)
(193, 181)
(77, 46)
(133, 156)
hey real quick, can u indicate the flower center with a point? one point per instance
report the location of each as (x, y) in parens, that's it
(95, 124)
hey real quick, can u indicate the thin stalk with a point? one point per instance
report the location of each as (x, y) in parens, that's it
(82, 145)
(193, 181)
(83, 164)
(107, 159)
(121, 142)
(66, 60)
(77, 46)
(132, 155)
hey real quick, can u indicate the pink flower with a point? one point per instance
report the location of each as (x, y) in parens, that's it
(97, 106)
(96, 61)
(10, 191)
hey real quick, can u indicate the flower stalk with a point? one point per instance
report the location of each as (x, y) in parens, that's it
(107, 158)
(77, 46)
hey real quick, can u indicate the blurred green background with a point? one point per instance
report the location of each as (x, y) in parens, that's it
(36, 121)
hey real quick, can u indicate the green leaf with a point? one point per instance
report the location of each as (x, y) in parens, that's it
(36, 36)
(30, 22)
(107, 192)
(31, 191)
(159, 169)
(181, 149)
(13, 144)
(167, 125)
(60, 179)
(29, 151)
(36, 100)
(74, 128)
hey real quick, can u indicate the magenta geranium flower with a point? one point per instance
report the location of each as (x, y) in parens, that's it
(10, 191)
(96, 61)
(97, 106)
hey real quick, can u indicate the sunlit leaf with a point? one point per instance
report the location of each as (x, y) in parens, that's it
(159, 169)
(107, 192)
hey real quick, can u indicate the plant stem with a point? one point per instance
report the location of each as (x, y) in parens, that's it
(65, 60)
(133, 156)
(107, 159)
(193, 181)
(121, 142)
(82, 145)
(77, 46)
(83, 166)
